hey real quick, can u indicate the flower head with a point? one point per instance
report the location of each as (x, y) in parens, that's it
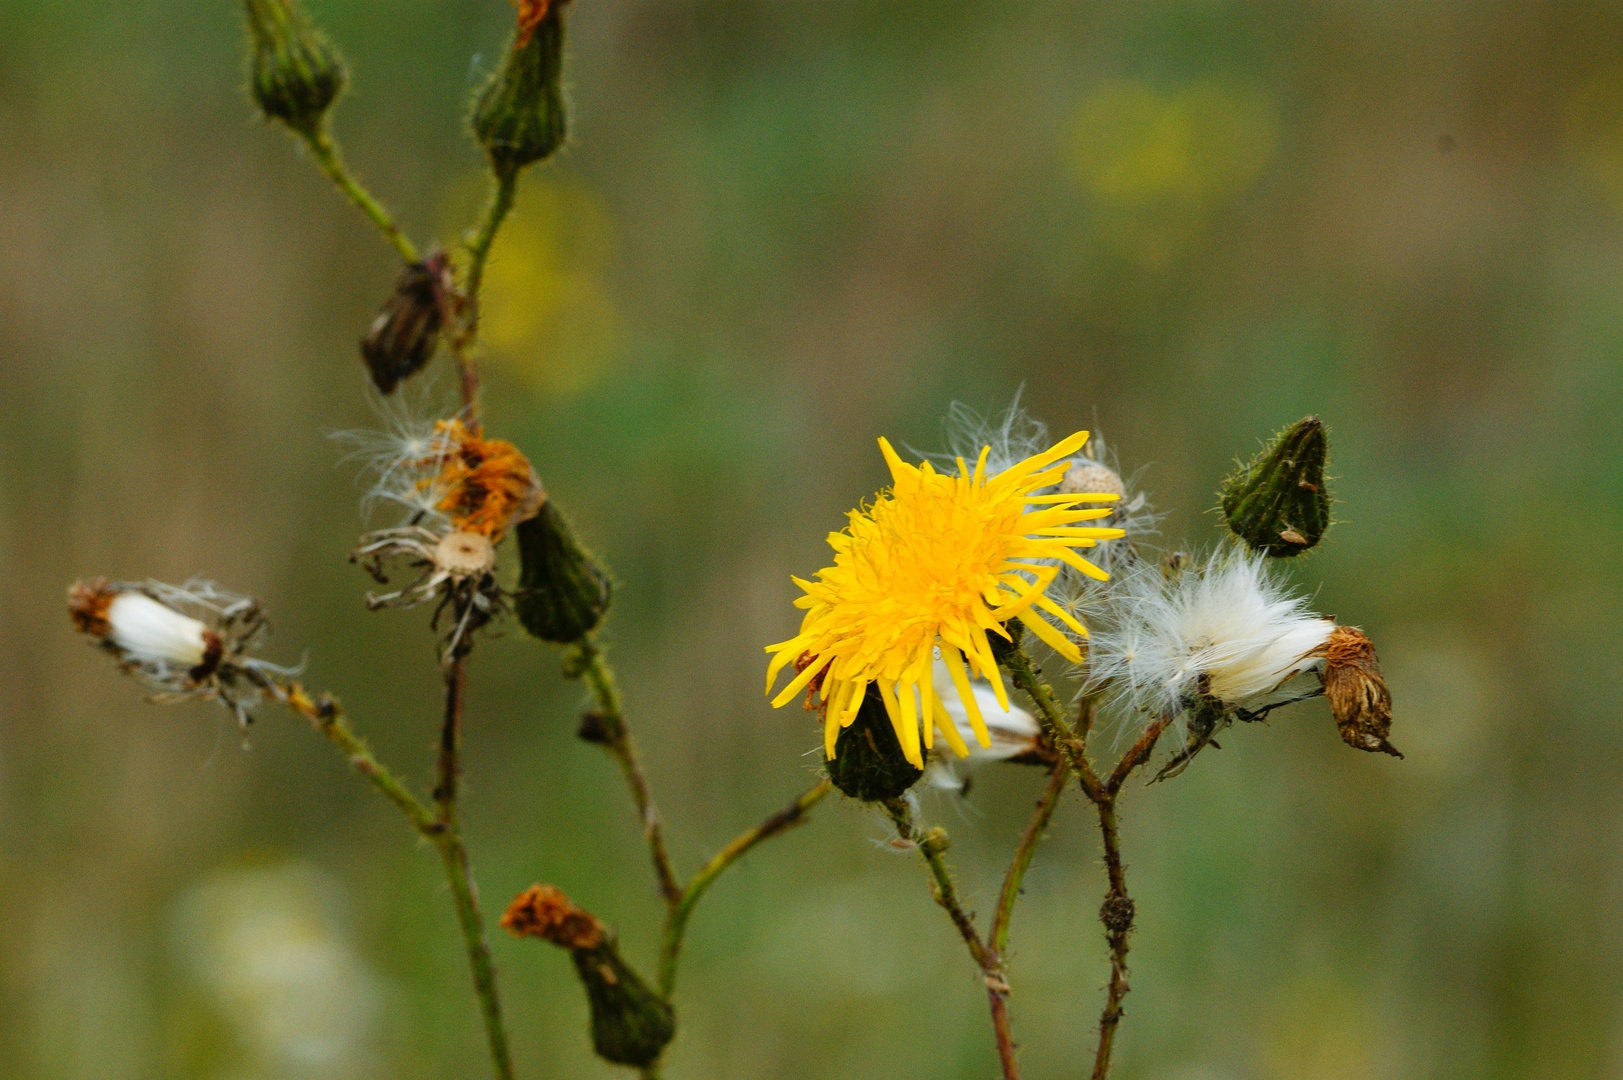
(937, 562)
(187, 641)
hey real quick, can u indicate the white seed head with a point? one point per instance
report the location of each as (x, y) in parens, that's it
(150, 632)
(1228, 627)
(1091, 478)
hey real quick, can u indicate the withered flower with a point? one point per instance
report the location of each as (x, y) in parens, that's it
(1359, 699)
(631, 1023)
(401, 340)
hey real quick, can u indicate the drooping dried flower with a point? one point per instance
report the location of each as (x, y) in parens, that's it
(1357, 692)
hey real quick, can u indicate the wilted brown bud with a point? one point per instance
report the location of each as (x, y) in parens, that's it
(401, 340)
(543, 911)
(631, 1023)
(1359, 699)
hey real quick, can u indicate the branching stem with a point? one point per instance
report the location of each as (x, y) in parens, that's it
(932, 846)
(438, 826)
(676, 919)
(616, 738)
(1117, 911)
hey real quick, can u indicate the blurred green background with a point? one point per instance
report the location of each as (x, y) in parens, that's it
(783, 229)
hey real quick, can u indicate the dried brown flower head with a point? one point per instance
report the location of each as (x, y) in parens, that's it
(544, 912)
(1359, 699)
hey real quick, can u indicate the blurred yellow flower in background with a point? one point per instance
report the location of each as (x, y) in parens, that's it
(1155, 162)
(548, 319)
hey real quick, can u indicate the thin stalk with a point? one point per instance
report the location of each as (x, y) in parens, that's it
(1072, 747)
(932, 846)
(501, 201)
(677, 919)
(617, 741)
(438, 826)
(331, 161)
(1010, 894)
(449, 764)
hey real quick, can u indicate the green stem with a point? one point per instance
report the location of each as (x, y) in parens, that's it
(677, 919)
(617, 741)
(1010, 894)
(1066, 740)
(325, 714)
(501, 201)
(331, 161)
(466, 899)
(932, 846)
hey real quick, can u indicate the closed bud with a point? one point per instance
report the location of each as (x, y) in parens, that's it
(868, 762)
(296, 72)
(520, 117)
(562, 593)
(631, 1023)
(401, 340)
(1279, 504)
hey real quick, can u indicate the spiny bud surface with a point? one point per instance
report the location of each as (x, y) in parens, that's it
(1279, 504)
(296, 72)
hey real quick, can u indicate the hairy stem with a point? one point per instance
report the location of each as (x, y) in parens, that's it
(439, 828)
(331, 161)
(616, 739)
(676, 921)
(932, 846)
(1071, 746)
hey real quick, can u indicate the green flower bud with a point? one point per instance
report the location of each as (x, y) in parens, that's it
(868, 762)
(562, 593)
(519, 117)
(297, 73)
(630, 1022)
(401, 340)
(1279, 504)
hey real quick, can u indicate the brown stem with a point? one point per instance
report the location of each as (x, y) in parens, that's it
(449, 763)
(932, 845)
(1117, 911)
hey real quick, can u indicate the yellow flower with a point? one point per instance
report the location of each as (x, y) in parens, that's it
(935, 563)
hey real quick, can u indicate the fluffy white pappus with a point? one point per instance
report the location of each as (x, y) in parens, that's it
(1013, 731)
(398, 465)
(1013, 437)
(1228, 628)
(152, 633)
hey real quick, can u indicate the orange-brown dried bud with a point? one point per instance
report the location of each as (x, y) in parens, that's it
(1359, 699)
(530, 14)
(88, 602)
(488, 484)
(543, 911)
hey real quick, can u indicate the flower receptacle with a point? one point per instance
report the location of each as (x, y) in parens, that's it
(520, 117)
(868, 762)
(562, 593)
